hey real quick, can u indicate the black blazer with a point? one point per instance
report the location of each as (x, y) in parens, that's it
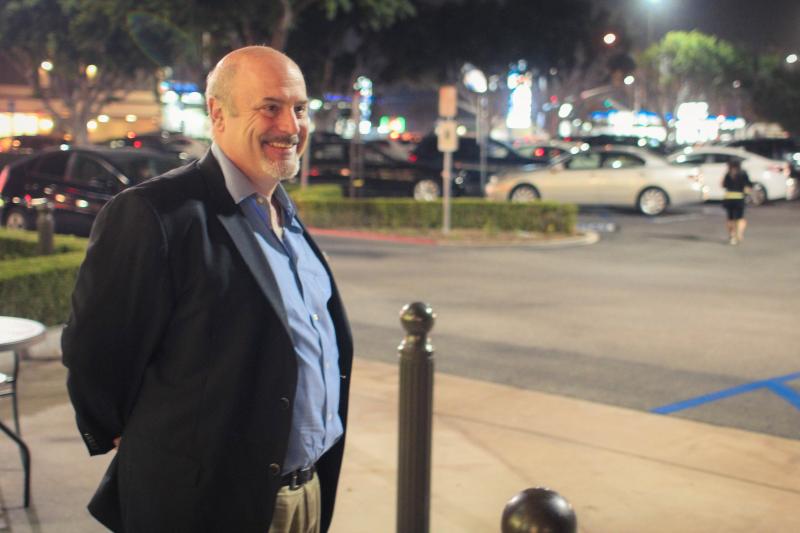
(178, 341)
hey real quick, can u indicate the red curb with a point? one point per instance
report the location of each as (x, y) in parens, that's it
(371, 236)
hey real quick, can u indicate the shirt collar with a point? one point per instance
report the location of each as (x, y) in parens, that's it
(241, 188)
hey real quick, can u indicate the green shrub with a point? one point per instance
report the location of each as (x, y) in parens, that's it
(313, 192)
(392, 213)
(38, 287)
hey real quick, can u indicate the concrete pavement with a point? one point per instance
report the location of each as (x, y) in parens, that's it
(624, 471)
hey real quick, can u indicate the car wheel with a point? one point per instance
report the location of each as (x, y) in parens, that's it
(16, 219)
(757, 196)
(652, 201)
(427, 190)
(524, 193)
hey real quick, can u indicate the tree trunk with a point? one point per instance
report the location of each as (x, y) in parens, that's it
(280, 33)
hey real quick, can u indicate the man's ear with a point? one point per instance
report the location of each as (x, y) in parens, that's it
(216, 115)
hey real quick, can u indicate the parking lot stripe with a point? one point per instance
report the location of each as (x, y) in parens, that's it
(776, 385)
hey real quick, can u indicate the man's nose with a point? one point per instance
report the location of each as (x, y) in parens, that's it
(288, 122)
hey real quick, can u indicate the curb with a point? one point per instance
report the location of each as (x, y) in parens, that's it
(583, 239)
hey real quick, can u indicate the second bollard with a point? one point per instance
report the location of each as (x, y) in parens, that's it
(538, 510)
(45, 226)
(416, 415)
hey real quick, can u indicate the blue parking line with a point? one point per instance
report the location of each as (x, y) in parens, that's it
(776, 385)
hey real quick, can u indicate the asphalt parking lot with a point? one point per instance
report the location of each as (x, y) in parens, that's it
(660, 315)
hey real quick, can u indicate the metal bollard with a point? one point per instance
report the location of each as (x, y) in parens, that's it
(45, 226)
(538, 510)
(416, 408)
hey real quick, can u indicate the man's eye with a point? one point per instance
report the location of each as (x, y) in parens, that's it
(271, 109)
(300, 111)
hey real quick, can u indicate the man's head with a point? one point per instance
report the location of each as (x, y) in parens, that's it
(259, 113)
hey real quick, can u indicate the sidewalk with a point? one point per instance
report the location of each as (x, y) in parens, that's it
(624, 471)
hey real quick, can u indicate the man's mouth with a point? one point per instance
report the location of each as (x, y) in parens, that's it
(284, 143)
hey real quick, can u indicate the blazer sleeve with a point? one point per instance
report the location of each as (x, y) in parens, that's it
(120, 307)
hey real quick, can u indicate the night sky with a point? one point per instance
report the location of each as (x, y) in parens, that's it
(762, 25)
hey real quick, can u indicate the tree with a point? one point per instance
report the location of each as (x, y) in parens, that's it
(686, 66)
(775, 92)
(95, 59)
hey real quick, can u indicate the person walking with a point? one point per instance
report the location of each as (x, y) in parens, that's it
(208, 343)
(737, 185)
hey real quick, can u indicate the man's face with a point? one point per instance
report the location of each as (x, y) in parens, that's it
(265, 130)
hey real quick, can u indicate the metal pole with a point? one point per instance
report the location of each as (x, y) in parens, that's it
(415, 420)
(447, 180)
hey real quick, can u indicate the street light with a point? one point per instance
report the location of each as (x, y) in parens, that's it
(791, 59)
(609, 38)
(475, 80)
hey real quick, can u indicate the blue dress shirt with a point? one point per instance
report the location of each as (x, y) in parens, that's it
(305, 290)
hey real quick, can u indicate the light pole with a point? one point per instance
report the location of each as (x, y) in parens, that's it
(475, 80)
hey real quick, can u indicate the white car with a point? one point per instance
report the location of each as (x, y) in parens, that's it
(771, 180)
(611, 175)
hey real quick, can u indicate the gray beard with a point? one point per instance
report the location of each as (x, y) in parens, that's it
(281, 170)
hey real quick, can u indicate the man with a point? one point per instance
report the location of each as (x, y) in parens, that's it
(207, 341)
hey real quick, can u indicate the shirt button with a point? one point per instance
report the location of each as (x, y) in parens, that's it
(285, 403)
(275, 469)
(315, 316)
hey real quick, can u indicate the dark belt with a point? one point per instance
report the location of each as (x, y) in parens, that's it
(298, 478)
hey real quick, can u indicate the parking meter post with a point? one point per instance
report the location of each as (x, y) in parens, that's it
(447, 180)
(415, 419)
(45, 227)
(538, 509)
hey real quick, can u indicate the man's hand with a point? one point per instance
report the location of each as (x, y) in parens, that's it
(116, 441)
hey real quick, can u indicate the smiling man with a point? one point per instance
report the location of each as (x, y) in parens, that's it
(207, 343)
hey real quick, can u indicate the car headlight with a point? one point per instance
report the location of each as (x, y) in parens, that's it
(493, 179)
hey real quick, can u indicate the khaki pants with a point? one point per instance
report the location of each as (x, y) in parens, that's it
(299, 510)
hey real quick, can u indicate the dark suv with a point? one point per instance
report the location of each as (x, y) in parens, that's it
(77, 182)
(466, 160)
(782, 149)
(381, 175)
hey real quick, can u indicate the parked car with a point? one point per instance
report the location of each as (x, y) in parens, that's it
(614, 175)
(545, 150)
(783, 149)
(653, 145)
(18, 146)
(76, 181)
(382, 174)
(186, 148)
(499, 156)
(771, 179)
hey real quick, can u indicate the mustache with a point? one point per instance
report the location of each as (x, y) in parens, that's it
(286, 139)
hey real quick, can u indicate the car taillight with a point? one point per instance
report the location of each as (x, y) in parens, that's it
(412, 158)
(313, 171)
(539, 152)
(3, 177)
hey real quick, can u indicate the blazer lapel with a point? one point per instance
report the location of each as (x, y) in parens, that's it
(235, 223)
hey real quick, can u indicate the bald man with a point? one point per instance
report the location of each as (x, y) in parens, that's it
(208, 344)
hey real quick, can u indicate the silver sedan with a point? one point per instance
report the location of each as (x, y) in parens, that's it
(610, 175)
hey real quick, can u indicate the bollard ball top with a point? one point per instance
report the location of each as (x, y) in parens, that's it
(538, 510)
(417, 318)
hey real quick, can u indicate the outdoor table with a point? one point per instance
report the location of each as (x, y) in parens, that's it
(17, 334)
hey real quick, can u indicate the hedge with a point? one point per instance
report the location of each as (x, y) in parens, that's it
(394, 213)
(38, 287)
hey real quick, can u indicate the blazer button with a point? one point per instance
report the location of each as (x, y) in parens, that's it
(285, 403)
(275, 469)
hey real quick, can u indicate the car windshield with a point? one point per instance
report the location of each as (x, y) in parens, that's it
(139, 167)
